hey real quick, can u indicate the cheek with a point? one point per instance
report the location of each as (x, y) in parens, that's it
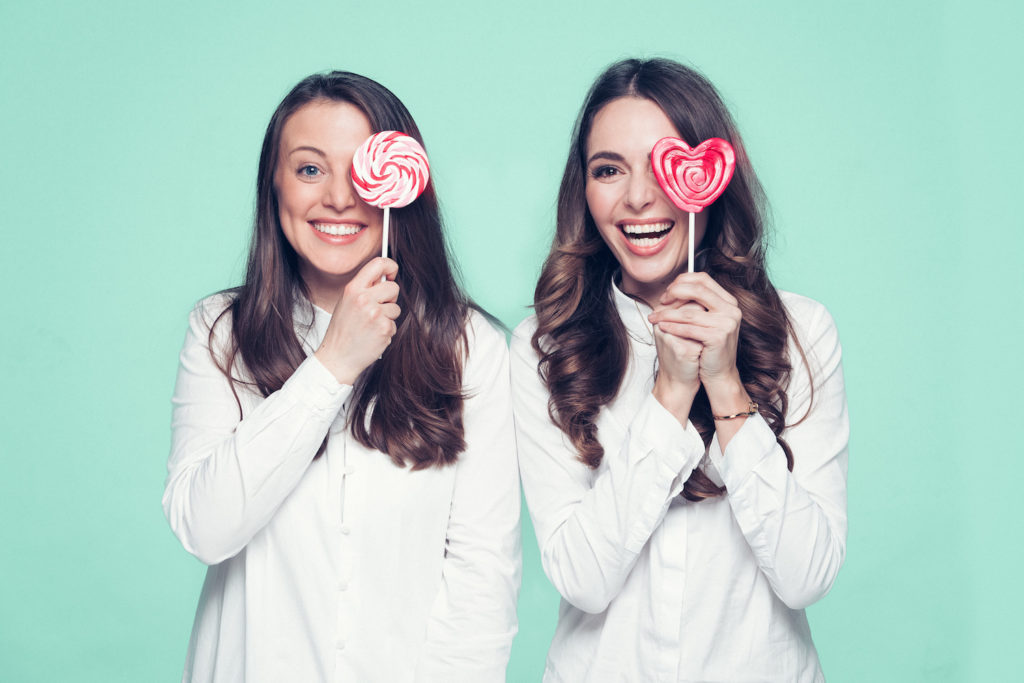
(291, 197)
(597, 202)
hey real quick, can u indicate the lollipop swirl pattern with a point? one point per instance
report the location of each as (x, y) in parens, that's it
(693, 178)
(390, 170)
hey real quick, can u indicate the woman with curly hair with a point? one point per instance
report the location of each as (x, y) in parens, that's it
(682, 436)
(343, 451)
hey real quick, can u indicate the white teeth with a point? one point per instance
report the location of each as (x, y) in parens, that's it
(337, 229)
(631, 229)
(645, 241)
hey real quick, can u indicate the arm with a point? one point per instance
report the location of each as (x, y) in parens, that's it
(795, 522)
(473, 619)
(227, 477)
(592, 525)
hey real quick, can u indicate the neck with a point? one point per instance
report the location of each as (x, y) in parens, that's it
(647, 292)
(324, 292)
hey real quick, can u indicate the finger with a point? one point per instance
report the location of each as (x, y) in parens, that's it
(690, 332)
(686, 313)
(725, 324)
(391, 310)
(684, 292)
(677, 345)
(683, 331)
(698, 287)
(373, 271)
(713, 285)
(384, 291)
(390, 268)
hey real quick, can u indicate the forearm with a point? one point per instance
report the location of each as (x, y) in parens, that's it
(797, 537)
(226, 481)
(591, 533)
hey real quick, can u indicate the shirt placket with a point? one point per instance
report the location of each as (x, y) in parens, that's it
(343, 620)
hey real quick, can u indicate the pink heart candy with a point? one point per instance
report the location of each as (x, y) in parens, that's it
(693, 178)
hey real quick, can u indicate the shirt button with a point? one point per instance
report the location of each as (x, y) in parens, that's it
(341, 644)
(349, 469)
(345, 529)
(342, 585)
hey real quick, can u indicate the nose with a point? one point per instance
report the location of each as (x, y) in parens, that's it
(339, 194)
(640, 190)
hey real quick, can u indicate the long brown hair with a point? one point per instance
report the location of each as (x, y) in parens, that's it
(581, 340)
(409, 403)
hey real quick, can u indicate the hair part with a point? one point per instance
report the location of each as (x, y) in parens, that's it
(580, 338)
(409, 403)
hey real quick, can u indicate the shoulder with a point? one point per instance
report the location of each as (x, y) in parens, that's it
(817, 338)
(209, 323)
(209, 310)
(481, 332)
(485, 343)
(522, 336)
(809, 317)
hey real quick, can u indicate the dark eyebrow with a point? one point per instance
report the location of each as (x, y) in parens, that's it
(307, 148)
(608, 156)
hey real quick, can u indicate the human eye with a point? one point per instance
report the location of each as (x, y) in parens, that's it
(309, 171)
(604, 172)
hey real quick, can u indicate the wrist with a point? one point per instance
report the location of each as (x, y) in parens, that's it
(341, 371)
(675, 397)
(727, 395)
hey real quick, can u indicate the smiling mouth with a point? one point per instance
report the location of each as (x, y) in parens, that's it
(646, 235)
(338, 229)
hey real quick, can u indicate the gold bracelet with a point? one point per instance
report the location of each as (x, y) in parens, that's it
(751, 410)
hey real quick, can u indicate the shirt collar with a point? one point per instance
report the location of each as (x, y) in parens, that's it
(633, 313)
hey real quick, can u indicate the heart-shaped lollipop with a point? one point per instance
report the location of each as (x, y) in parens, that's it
(693, 177)
(389, 169)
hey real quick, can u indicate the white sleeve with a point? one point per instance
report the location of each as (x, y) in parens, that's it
(591, 526)
(795, 522)
(473, 620)
(226, 477)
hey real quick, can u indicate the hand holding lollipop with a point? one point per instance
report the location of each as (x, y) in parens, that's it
(693, 178)
(389, 170)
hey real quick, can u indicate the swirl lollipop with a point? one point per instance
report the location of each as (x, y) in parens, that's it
(693, 178)
(389, 169)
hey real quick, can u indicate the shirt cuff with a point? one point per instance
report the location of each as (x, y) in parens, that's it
(754, 442)
(313, 385)
(678, 448)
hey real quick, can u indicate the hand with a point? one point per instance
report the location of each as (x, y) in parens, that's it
(697, 309)
(678, 372)
(363, 321)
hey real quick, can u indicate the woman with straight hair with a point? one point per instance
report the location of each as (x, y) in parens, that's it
(343, 451)
(682, 436)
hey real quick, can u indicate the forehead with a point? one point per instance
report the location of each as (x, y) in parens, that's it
(330, 126)
(629, 124)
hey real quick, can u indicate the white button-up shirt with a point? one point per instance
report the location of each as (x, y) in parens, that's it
(657, 588)
(345, 567)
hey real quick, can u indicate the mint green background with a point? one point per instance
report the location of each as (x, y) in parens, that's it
(888, 136)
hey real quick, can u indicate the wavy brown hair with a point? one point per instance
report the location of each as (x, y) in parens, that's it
(581, 340)
(409, 403)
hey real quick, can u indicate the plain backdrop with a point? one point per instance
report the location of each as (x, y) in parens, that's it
(888, 137)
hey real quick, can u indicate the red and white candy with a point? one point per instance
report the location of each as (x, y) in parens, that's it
(390, 170)
(694, 177)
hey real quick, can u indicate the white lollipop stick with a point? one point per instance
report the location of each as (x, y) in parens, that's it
(689, 261)
(387, 217)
